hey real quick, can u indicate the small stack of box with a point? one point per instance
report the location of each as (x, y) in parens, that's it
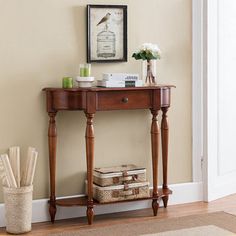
(120, 183)
(113, 80)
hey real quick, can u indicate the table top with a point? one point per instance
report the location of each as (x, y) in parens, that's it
(97, 89)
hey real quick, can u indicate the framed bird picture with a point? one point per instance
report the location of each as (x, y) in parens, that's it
(106, 33)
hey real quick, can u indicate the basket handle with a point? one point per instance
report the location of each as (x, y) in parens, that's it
(130, 192)
(124, 178)
(125, 193)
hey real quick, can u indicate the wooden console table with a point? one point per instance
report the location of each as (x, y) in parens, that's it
(91, 100)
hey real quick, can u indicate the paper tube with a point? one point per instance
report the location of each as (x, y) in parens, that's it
(27, 164)
(31, 168)
(3, 175)
(14, 158)
(8, 170)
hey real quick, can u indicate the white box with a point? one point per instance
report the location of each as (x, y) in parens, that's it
(120, 76)
(121, 84)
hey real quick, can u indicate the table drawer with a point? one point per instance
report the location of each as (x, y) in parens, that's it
(116, 100)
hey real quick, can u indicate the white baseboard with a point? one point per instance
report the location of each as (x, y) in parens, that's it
(182, 193)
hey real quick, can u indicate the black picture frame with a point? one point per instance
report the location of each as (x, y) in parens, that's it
(106, 33)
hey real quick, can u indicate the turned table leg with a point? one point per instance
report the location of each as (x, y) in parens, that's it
(164, 140)
(89, 137)
(52, 140)
(155, 148)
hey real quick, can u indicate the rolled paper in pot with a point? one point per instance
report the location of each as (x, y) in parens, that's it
(27, 164)
(31, 169)
(14, 158)
(8, 170)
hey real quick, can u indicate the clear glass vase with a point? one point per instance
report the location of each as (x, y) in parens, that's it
(149, 72)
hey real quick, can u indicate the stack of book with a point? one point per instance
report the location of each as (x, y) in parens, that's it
(113, 80)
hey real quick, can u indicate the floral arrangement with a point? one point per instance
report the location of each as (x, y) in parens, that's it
(148, 51)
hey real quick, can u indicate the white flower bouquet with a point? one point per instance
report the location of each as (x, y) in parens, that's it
(148, 51)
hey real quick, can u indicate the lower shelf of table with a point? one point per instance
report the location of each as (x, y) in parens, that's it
(82, 201)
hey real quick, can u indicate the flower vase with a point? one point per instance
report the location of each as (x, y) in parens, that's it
(149, 72)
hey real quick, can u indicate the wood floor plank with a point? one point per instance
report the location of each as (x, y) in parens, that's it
(226, 204)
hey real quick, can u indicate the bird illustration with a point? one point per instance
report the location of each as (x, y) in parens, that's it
(104, 19)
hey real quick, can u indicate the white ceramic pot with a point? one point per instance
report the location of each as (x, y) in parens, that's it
(85, 82)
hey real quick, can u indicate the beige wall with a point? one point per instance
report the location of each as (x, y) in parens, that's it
(43, 40)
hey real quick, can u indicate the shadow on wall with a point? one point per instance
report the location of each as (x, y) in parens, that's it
(72, 180)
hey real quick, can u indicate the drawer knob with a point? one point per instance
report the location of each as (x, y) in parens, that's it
(125, 100)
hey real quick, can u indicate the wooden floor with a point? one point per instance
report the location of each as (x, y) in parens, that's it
(227, 204)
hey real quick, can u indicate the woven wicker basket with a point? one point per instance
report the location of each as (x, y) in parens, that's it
(18, 209)
(121, 192)
(118, 175)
